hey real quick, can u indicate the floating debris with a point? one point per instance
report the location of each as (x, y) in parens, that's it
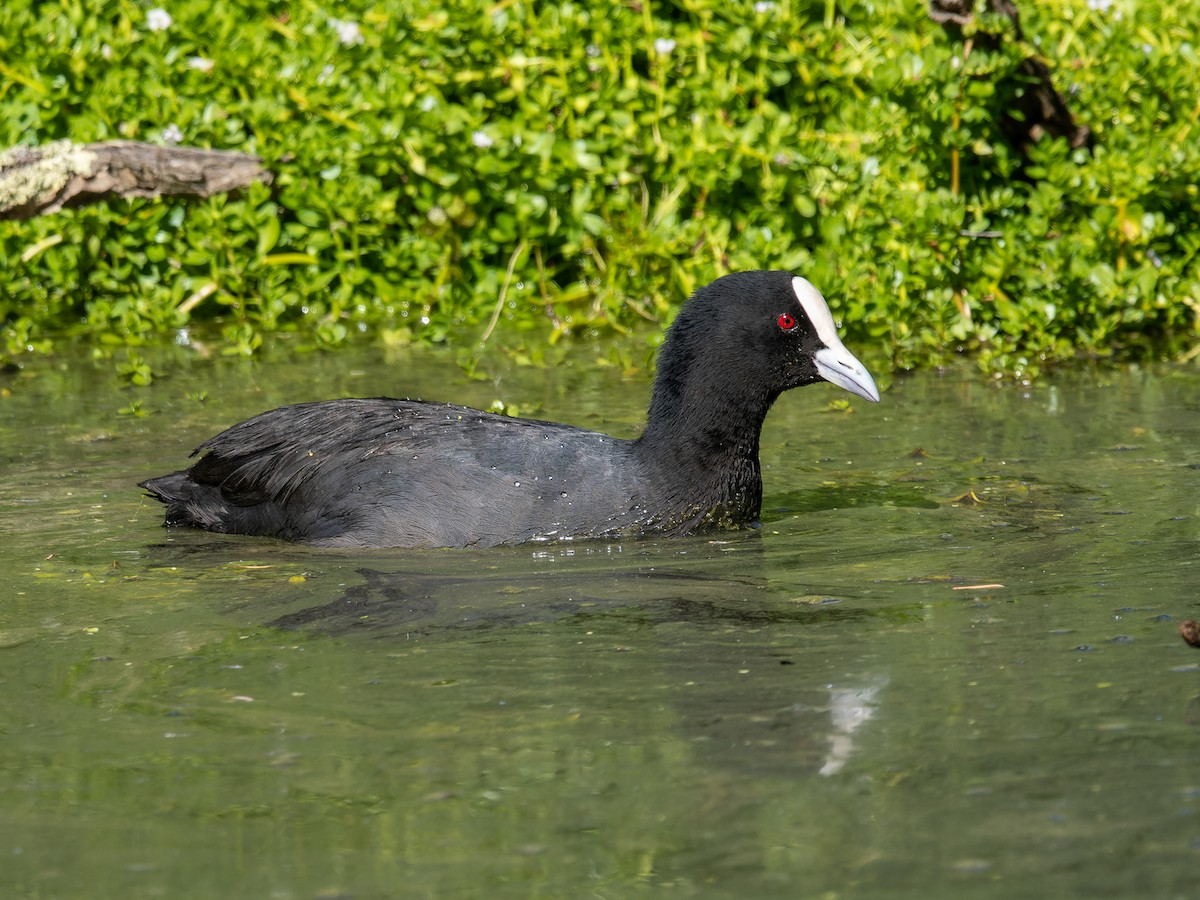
(970, 498)
(1190, 632)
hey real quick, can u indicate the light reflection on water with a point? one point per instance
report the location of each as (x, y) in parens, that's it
(841, 703)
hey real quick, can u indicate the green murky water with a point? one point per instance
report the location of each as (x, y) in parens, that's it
(833, 707)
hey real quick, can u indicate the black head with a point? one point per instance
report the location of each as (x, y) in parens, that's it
(760, 333)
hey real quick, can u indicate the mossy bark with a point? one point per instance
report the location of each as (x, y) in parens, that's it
(46, 179)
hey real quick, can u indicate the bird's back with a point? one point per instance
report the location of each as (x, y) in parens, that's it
(406, 473)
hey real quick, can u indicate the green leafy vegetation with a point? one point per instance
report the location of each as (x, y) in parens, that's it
(573, 168)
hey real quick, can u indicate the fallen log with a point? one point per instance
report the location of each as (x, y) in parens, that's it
(39, 180)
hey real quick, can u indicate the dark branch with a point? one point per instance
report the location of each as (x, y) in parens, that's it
(1039, 109)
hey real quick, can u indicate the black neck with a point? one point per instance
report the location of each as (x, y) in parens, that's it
(702, 436)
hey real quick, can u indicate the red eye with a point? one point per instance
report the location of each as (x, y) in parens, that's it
(787, 321)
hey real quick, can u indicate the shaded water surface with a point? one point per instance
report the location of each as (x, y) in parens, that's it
(947, 666)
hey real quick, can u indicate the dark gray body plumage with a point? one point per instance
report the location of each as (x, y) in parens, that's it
(375, 472)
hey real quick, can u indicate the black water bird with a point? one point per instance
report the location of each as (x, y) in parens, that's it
(407, 473)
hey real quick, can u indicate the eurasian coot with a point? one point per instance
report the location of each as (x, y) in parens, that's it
(406, 473)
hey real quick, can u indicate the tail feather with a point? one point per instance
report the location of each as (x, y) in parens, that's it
(188, 503)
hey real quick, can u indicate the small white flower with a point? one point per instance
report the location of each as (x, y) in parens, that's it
(325, 74)
(763, 6)
(200, 64)
(349, 34)
(481, 139)
(1147, 49)
(428, 103)
(171, 134)
(158, 19)
(592, 51)
(105, 51)
(663, 46)
(1100, 5)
